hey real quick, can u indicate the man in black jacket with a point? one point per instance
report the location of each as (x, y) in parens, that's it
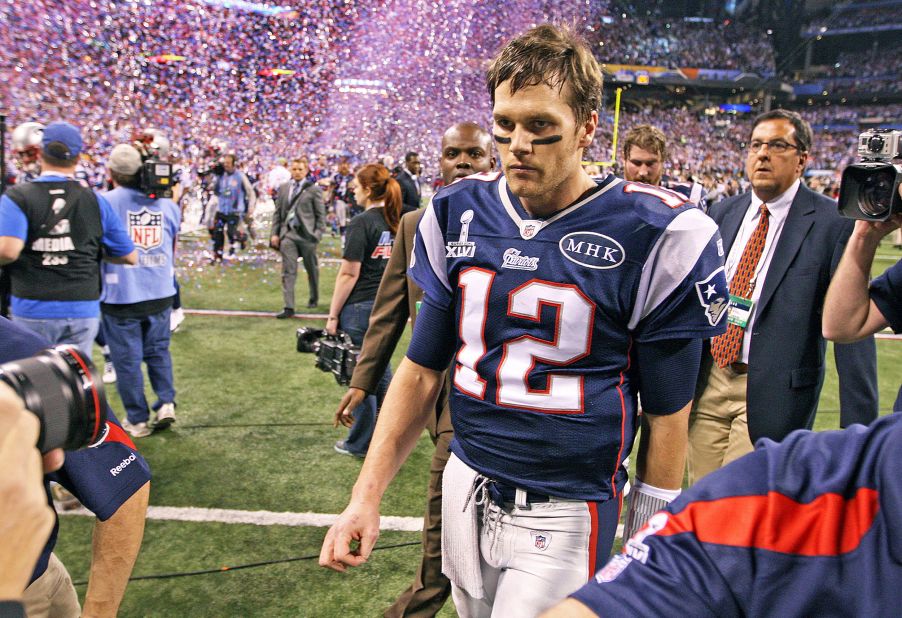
(408, 178)
(762, 379)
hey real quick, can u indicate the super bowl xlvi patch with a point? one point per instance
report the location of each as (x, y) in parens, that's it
(592, 250)
(613, 568)
(462, 247)
(713, 296)
(541, 540)
(145, 228)
(513, 258)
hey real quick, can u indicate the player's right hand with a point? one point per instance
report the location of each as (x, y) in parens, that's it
(349, 402)
(358, 525)
(27, 518)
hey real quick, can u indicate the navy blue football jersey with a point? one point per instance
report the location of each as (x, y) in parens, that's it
(692, 191)
(806, 527)
(547, 313)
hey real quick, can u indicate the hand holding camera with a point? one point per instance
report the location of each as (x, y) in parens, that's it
(872, 189)
(335, 353)
(25, 517)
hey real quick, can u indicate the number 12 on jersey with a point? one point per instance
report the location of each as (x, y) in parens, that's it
(571, 340)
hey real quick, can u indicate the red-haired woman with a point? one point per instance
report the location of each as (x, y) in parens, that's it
(369, 239)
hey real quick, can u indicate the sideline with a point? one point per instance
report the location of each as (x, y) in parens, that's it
(258, 518)
(266, 518)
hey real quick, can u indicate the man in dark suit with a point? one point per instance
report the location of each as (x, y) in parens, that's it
(466, 149)
(783, 241)
(409, 180)
(298, 224)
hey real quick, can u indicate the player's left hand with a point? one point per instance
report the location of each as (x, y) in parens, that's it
(349, 402)
(358, 524)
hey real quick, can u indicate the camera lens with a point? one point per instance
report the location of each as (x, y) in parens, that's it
(875, 144)
(63, 390)
(875, 196)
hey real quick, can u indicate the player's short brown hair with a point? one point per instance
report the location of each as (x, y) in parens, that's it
(647, 138)
(551, 55)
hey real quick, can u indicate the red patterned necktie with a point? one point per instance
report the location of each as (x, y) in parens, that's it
(725, 348)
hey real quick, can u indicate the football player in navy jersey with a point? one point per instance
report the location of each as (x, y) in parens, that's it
(559, 298)
(112, 480)
(644, 153)
(805, 527)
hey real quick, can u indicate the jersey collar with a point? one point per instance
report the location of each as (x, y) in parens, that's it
(530, 228)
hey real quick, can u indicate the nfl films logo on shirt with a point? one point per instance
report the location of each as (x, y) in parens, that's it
(592, 250)
(146, 228)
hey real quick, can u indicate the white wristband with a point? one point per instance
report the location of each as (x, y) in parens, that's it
(645, 501)
(656, 492)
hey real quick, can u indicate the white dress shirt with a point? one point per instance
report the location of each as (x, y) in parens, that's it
(779, 210)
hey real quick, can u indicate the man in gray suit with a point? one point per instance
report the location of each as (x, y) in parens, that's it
(298, 224)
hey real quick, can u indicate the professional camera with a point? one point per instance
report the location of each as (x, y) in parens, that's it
(156, 178)
(335, 354)
(870, 189)
(155, 175)
(64, 390)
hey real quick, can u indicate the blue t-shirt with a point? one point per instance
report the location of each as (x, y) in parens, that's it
(547, 313)
(806, 527)
(116, 242)
(104, 475)
(153, 225)
(230, 192)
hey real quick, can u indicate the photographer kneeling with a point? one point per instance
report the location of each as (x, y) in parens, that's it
(852, 308)
(111, 479)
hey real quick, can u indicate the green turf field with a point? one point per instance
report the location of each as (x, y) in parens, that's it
(254, 432)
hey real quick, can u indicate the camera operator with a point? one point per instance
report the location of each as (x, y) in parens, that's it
(853, 309)
(26, 519)
(53, 233)
(236, 200)
(137, 301)
(113, 481)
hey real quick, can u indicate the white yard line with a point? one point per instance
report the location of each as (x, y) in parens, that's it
(266, 518)
(259, 518)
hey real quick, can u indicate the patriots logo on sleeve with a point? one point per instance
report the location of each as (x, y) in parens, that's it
(713, 298)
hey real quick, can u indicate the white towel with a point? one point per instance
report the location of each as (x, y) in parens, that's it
(460, 535)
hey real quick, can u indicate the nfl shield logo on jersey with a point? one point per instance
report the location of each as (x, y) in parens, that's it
(145, 228)
(541, 540)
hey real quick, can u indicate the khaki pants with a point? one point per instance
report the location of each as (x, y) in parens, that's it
(52, 595)
(718, 426)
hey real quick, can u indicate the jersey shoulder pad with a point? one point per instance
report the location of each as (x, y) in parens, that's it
(474, 184)
(656, 206)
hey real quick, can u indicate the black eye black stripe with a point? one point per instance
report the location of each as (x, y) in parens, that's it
(542, 141)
